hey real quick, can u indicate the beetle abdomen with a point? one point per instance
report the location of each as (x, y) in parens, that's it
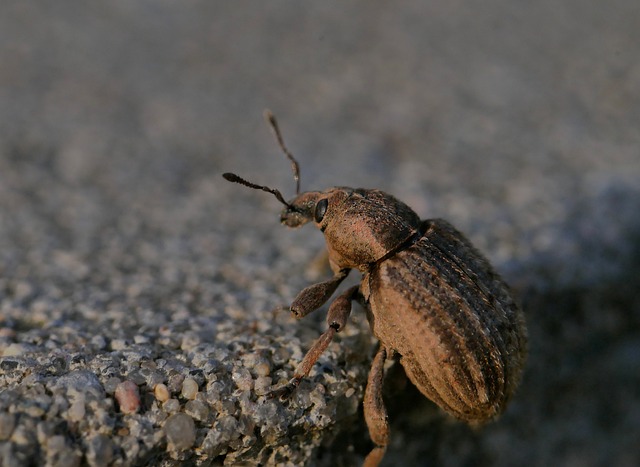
(444, 309)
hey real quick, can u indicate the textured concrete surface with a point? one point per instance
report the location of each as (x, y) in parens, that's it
(137, 287)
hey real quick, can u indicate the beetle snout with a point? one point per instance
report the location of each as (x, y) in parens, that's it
(300, 209)
(294, 217)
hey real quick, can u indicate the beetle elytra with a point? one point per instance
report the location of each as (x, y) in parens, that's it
(432, 300)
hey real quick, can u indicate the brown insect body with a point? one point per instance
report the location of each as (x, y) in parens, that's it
(463, 343)
(430, 297)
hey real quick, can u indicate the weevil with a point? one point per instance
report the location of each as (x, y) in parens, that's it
(432, 300)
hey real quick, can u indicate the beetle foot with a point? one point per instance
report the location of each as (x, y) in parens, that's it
(285, 391)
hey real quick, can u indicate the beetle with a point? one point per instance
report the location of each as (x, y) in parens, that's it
(432, 300)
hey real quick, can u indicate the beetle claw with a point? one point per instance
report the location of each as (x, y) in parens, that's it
(285, 391)
(281, 394)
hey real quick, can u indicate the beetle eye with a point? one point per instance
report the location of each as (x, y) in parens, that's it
(321, 209)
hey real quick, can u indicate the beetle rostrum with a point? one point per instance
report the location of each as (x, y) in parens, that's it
(432, 300)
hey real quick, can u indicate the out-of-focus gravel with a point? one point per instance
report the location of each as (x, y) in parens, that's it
(139, 291)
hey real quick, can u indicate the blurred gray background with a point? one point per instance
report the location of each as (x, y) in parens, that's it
(519, 122)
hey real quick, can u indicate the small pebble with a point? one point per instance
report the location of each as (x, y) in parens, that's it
(7, 333)
(161, 392)
(56, 444)
(262, 385)
(77, 409)
(99, 342)
(189, 388)
(180, 431)
(197, 409)
(175, 382)
(111, 385)
(171, 406)
(15, 350)
(140, 339)
(99, 451)
(7, 422)
(262, 369)
(128, 397)
(243, 379)
(119, 344)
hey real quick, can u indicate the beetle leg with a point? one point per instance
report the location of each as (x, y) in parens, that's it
(314, 296)
(340, 308)
(336, 319)
(375, 413)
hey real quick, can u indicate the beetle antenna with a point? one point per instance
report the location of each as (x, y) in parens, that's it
(295, 167)
(236, 179)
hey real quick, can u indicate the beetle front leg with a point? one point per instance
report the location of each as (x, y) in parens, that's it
(337, 316)
(375, 413)
(314, 296)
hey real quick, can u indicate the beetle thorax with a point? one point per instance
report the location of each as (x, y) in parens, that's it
(361, 226)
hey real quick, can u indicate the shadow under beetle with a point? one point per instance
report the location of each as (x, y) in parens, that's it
(432, 300)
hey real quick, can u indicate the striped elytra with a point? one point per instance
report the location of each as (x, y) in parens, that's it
(442, 307)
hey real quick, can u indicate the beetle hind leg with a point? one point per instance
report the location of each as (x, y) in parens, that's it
(375, 413)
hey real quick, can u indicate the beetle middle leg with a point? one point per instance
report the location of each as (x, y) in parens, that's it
(337, 316)
(375, 413)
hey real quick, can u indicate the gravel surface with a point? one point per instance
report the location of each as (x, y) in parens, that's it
(141, 294)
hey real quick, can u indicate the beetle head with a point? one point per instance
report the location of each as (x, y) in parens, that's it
(360, 226)
(303, 208)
